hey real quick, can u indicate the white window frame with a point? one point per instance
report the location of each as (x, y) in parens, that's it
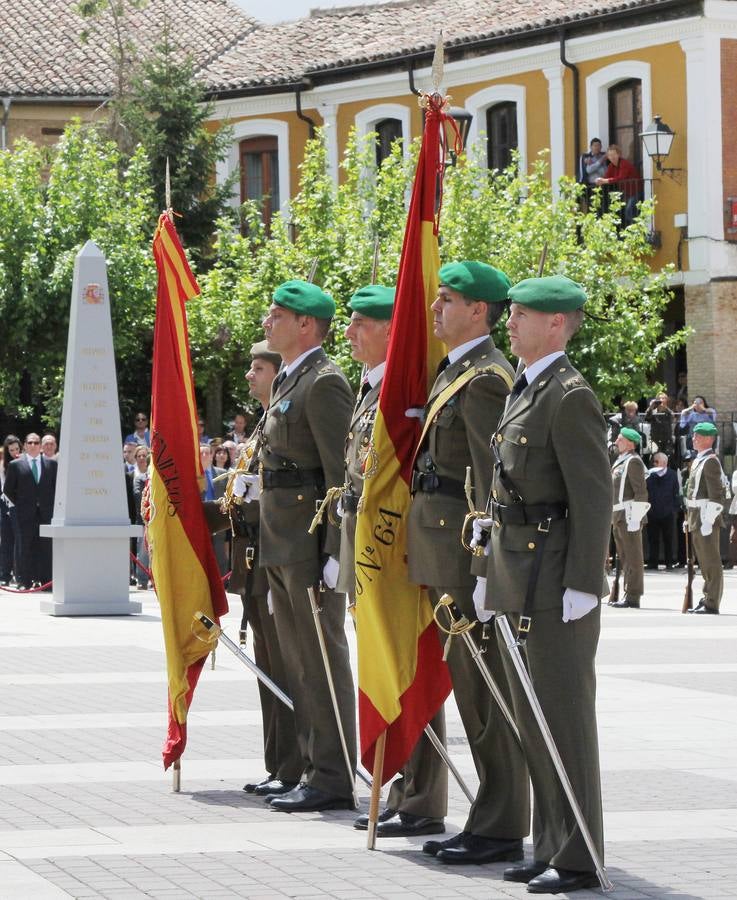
(253, 128)
(478, 103)
(367, 119)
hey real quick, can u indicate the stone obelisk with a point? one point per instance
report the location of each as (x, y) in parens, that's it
(90, 527)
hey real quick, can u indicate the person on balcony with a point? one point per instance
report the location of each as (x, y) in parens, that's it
(625, 179)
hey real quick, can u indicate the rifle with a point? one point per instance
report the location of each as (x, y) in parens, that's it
(614, 594)
(688, 596)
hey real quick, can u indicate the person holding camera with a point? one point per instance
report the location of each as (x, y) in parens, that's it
(661, 418)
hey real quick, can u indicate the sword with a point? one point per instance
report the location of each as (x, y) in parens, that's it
(524, 677)
(331, 686)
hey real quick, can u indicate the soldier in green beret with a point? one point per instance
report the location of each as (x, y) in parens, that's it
(417, 801)
(302, 436)
(461, 413)
(629, 515)
(551, 502)
(706, 496)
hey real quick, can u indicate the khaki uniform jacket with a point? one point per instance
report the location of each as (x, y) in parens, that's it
(356, 455)
(635, 487)
(305, 428)
(552, 443)
(458, 437)
(711, 487)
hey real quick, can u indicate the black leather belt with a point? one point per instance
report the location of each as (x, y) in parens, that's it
(525, 514)
(349, 502)
(432, 483)
(281, 478)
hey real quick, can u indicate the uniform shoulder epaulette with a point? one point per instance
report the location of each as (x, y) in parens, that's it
(569, 378)
(326, 368)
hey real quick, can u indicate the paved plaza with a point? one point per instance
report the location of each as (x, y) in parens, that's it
(87, 811)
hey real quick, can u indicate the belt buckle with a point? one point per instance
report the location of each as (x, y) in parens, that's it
(250, 554)
(524, 624)
(546, 524)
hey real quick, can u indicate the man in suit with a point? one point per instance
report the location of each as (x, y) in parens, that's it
(301, 453)
(705, 500)
(464, 405)
(551, 510)
(418, 798)
(282, 758)
(629, 491)
(664, 494)
(30, 483)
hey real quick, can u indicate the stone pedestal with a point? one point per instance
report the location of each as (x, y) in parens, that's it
(90, 528)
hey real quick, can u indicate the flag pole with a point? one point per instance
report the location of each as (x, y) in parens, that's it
(176, 781)
(373, 815)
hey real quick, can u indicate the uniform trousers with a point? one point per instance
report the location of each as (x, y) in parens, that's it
(710, 564)
(657, 528)
(629, 551)
(502, 805)
(560, 659)
(282, 757)
(421, 789)
(323, 762)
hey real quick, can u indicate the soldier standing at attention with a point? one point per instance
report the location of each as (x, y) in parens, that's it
(705, 499)
(629, 515)
(418, 799)
(304, 430)
(464, 405)
(551, 506)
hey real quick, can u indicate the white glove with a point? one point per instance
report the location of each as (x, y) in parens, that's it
(330, 573)
(249, 487)
(479, 527)
(479, 597)
(709, 513)
(339, 507)
(577, 604)
(414, 412)
(635, 511)
(270, 603)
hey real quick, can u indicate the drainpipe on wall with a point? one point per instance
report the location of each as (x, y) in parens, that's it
(578, 149)
(301, 115)
(4, 124)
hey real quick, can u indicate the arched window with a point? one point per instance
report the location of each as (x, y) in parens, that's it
(501, 134)
(387, 131)
(625, 119)
(259, 165)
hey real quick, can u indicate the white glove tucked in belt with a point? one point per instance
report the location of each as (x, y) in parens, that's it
(635, 511)
(577, 604)
(479, 597)
(330, 573)
(479, 527)
(709, 513)
(247, 487)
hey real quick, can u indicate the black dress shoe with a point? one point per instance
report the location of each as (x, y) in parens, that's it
(406, 825)
(703, 609)
(252, 788)
(432, 848)
(361, 822)
(305, 798)
(626, 604)
(275, 788)
(561, 881)
(477, 849)
(526, 872)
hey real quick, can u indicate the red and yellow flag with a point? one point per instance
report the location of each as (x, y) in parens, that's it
(402, 678)
(183, 562)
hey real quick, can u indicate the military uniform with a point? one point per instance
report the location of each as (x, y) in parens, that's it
(303, 433)
(628, 483)
(422, 786)
(706, 483)
(458, 436)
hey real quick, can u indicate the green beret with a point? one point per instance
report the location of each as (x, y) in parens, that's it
(374, 301)
(261, 350)
(630, 434)
(552, 294)
(706, 428)
(305, 299)
(475, 280)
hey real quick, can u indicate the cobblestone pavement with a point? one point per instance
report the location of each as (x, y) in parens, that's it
(86, 810)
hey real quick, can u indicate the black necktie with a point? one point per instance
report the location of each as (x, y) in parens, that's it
(443, 364)
(365, 388)
(519, 385)
(279, 379)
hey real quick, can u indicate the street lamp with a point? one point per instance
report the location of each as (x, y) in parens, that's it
(657, 140)
(462, 118)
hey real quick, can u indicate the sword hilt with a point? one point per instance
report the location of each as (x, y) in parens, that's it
(213, 630)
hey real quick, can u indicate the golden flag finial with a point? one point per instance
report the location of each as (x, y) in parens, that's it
(438, 63)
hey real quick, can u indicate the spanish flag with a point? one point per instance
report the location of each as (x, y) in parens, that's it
(184, 567)
(402, 678)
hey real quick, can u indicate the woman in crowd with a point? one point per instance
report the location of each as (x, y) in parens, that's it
(140, 480)
(8, 525)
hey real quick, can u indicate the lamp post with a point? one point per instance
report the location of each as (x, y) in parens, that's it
(462, 118)
(657, 140)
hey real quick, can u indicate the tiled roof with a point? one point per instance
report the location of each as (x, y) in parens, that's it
(275, 54)
(42, 52)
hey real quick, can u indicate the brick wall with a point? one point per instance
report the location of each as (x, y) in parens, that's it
(711, 311)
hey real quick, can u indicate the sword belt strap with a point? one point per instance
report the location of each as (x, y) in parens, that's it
(432, 483)
(524, 514)
(285, 478)
(507, 483)
(349, 502)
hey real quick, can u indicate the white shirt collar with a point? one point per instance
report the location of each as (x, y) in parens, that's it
(704, 453)
(374, 376)
(455, 354)
(31, 458)
(299, 360)
(531, 372)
